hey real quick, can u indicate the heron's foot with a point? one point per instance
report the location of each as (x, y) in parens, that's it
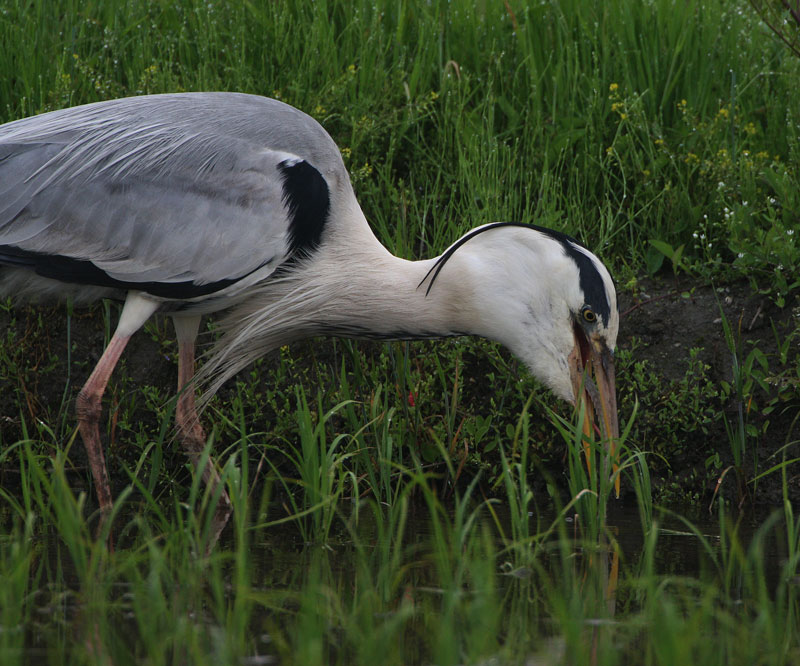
(88, 408)
(194, 442)
(219, 521)
(224, 508)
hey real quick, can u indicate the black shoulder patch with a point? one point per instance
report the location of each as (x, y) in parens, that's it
(590, 279)
(79, 271)
(306, 195)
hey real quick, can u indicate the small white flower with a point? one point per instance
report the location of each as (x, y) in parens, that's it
(740, 255)
(790, 232)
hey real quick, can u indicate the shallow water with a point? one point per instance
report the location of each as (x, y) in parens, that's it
(284, 572)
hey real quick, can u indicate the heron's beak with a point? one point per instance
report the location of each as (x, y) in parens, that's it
(590, 357)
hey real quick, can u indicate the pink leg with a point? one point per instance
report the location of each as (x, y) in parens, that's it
(189, 428)
(88, 408)
(135, 312)
(191, 433)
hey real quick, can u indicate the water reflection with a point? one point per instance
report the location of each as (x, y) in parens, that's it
(369, 570)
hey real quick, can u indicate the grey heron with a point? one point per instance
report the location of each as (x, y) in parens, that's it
(195, 203)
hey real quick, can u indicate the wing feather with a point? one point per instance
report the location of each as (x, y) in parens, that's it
(162, 189)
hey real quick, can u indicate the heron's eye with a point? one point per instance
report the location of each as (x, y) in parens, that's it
(589, 315)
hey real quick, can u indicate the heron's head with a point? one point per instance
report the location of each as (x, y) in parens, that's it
(550, 301)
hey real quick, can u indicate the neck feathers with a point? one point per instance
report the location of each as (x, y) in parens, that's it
(377, 296)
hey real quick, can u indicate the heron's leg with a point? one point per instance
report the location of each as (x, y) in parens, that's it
(135, 312)
(189, 428)
(88, 409)
(188, 422)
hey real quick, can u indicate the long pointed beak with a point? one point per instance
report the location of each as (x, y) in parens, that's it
(593, 355)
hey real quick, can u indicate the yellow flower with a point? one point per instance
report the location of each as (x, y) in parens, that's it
(659, 142)
(609, 150)
(613, 87)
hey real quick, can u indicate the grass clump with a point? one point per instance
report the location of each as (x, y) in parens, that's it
(421, 580)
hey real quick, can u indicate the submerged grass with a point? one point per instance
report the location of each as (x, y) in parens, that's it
(419, 580)
(404, 506)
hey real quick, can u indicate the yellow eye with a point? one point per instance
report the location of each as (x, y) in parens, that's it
(588, 315)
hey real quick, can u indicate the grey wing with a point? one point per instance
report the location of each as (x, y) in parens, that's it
(143, 194)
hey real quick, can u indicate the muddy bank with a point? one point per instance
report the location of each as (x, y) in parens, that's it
(670, 319)
(674, 328)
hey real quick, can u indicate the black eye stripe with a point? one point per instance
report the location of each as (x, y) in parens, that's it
(591, 282)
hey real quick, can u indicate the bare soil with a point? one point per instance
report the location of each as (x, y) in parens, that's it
(663, 321)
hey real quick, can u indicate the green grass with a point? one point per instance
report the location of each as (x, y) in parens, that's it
(617, 125)
(422, 580)
(428, 503)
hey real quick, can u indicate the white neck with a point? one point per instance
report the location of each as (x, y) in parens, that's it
(383, 296)
(379, 296)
